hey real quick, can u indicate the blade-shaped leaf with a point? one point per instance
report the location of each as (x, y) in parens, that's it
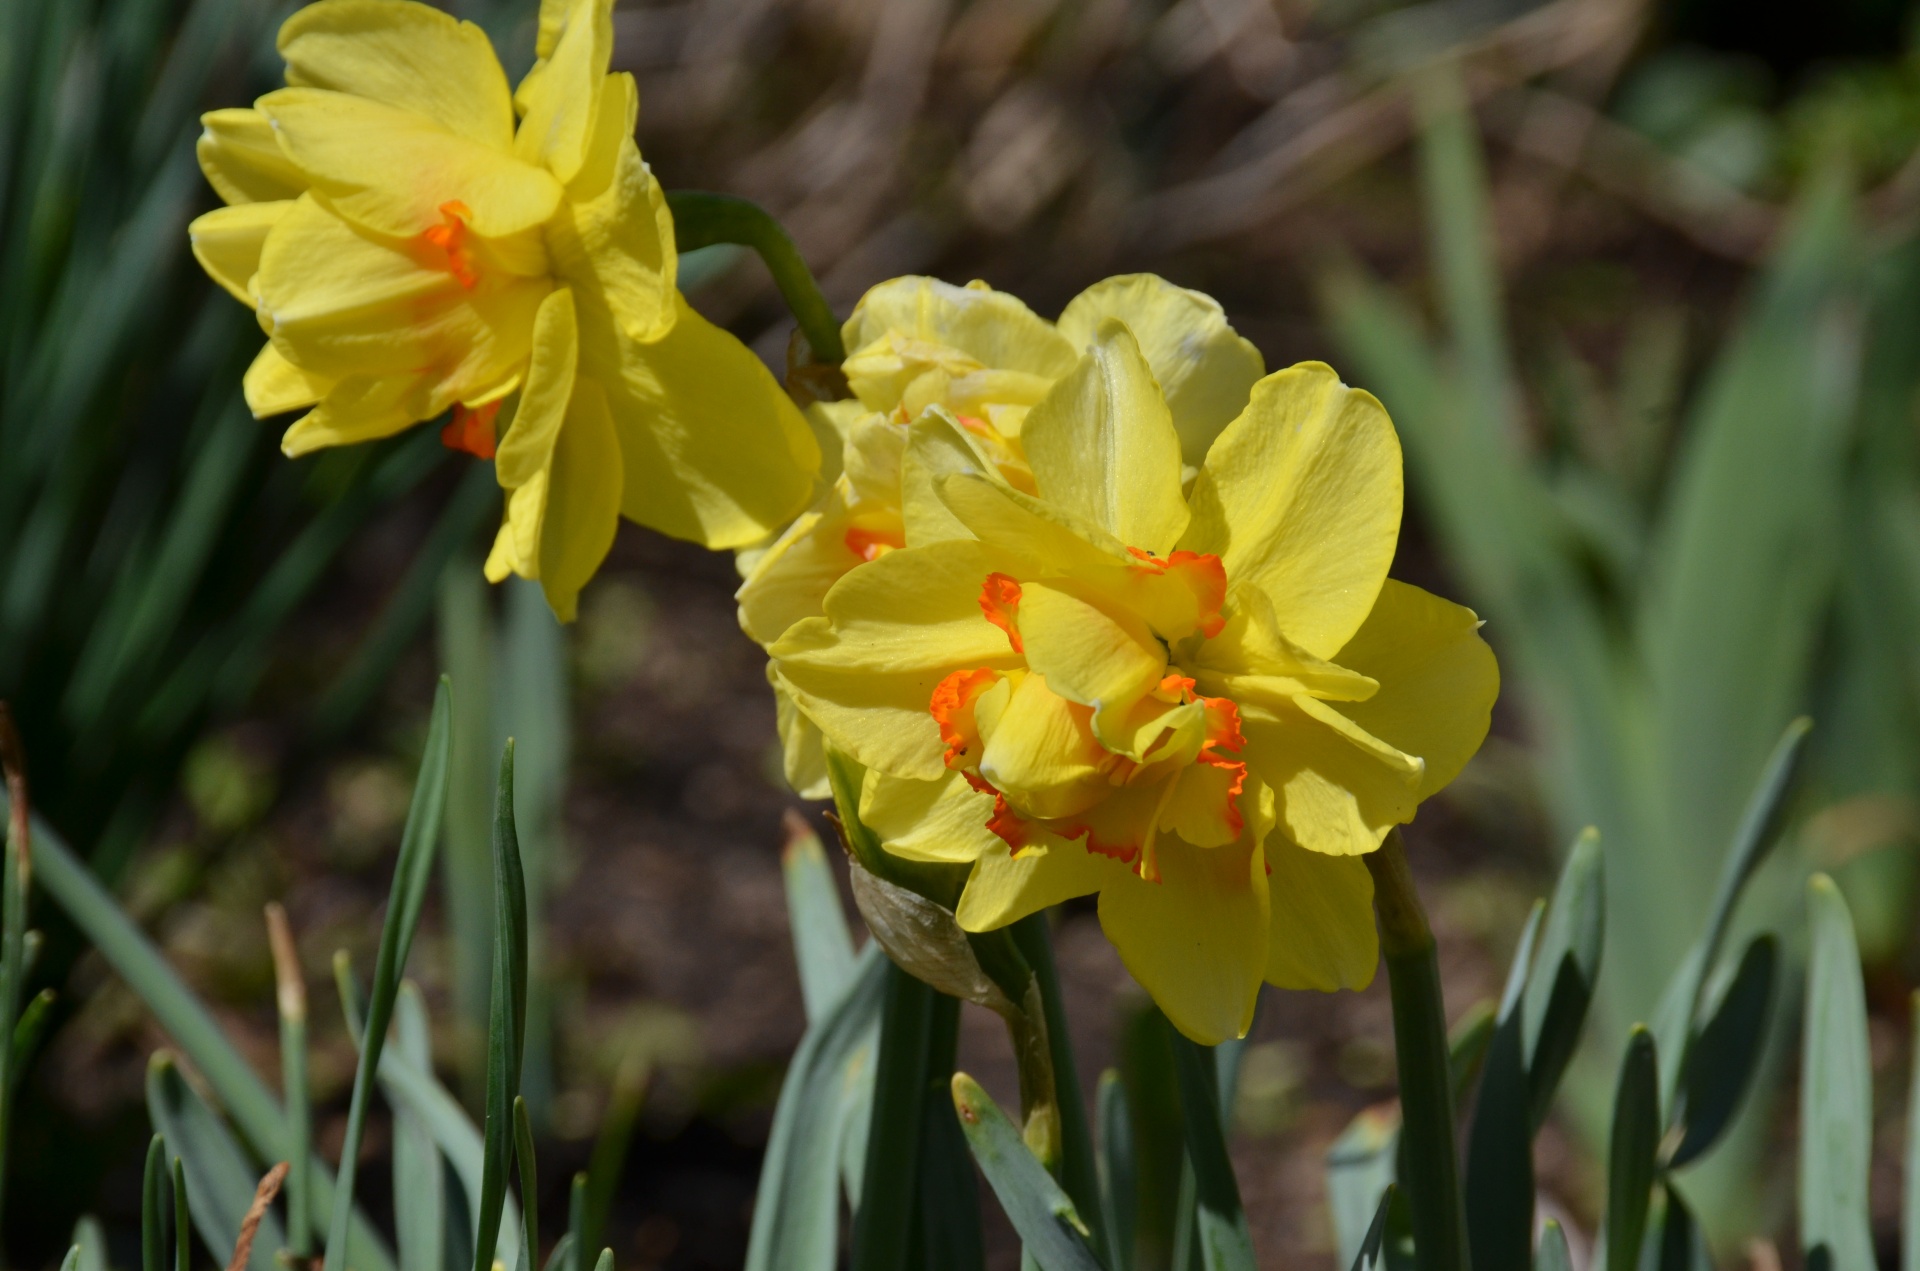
(822, 945)
(1553, 1254)
(153, 1207)
(505, 1016)
(1118, 1205)
(220, 1181)
(419, 1178)
(1836, 1088)
(1727, 1052)
(1499, 1178)
(1561, 984)
(797, 1207)
(1631, 1153)
(1360, 1169)
(1041, 1213)
(412, 873)
(1372, 1254)
(1220, 1226)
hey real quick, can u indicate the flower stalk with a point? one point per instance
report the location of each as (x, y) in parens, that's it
(703, 220)
(1429, 1168)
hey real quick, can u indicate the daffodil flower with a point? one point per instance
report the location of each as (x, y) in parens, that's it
(985, 358)
(415, 238)
(1204, 703)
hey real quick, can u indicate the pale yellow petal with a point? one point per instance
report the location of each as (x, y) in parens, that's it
(405, 55)
(274, 386)
(1301, 495)
(1335, 796)
(882, 721)
(227, 242)
(791, 578)
(559, 104)
(397, 172)
(937, 446)
(358, 408)
(715, 450)
(1438, 680)
(1104, 658)
(1205, 369)
(1002, 889)
(1196, 940)
(944, 820)
(516, 548)
(1321, 933)
(804, 750)
(1040, 754)
(991, 327)
(242, 158)
(583, 506)
(612, 237)
(1102, 446)
(528, 446)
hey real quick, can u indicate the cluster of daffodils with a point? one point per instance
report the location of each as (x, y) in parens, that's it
(1100, 606)
(415, 238)
(1104, 609)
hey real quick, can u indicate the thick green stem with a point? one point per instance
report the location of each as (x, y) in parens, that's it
(1077, 1170)
(1430, 1166)
(701, 220)
(889, 1198)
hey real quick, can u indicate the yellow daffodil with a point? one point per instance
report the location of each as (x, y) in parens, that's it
(415, 238)
(1204, 702)
(986, 358)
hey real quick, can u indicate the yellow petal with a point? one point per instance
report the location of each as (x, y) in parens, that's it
(937, 446)
(583, 508)
(395, 171)
(1102, 446)
(804, 751)
(409, 56)
(559, 104)
(1197, 939)
(715, 450)
(1251, 659)
(242, 158)
(1321, 933)
(1204, 807)
(944, 820)
(1107, 660)
(1205, 369)
(990, 327)
(882, 721)
(791, 578)
(1301, 496)
(358, 408)
(227, 242)
(528, 446)
(1002, 889)
(516, 548)
(1040, 754)
(612, 237)
(1438, 680)
(339, 302)
(1336, 795)
(1049, 536)
(273, 385)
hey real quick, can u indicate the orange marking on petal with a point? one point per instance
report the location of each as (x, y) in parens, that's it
(952, 708)
(450, 236)
(1013, 829)
(1223, 725)
(978, 426)
(873, 544)
(471, 430)
(1174, 688)
(1000, 602)
(1207, 577)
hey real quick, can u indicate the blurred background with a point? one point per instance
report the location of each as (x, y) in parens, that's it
(1639, 284)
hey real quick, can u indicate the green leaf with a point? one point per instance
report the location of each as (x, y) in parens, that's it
(1553, 1254)
(576, 1224)
(1836, 1088)
(1118, 1195)
(1220, 1223)
(1467, 1045)
(91, 1241)
(1632, 1151)
(529, 1179)
(182, 1222)
(221, 1181)
(1561, 984)
(1682, 1247)
(153, 1207)
(797, 1206)
(822, 945)
(466, 651)
(1372, 1252)
(419, 1178)
(27, 1034)
(1049, 1227)
(561, 1259)
(948, 1236)
(505, 1018)
(1499, 1175)
(882, 1228)
(1360, 1172)
(1727, 1053)
(412, 873)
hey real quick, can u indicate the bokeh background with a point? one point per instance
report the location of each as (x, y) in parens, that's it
(1638, 282)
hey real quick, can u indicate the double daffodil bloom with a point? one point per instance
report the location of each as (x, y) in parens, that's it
(414, 238)
(1203, 703)
(985, 358)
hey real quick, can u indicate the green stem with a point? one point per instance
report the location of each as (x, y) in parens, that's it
(1078, 1171)
(1430, 1168)
(883, 1228)
(701, 220)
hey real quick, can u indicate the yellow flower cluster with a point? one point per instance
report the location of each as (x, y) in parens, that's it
(415, 238)
(1101, 606)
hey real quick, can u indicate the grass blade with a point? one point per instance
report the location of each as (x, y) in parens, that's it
(797, 1207)
(419, 1179)
(409, 893)
(1836, 1087)
(1727, 1052)
(1118, 1196)
(1040, 1211)
(182, 1223)
(504, 1025)
(822, 944)
(221, 1179)
(1220, 1222)
(1631, 1154)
